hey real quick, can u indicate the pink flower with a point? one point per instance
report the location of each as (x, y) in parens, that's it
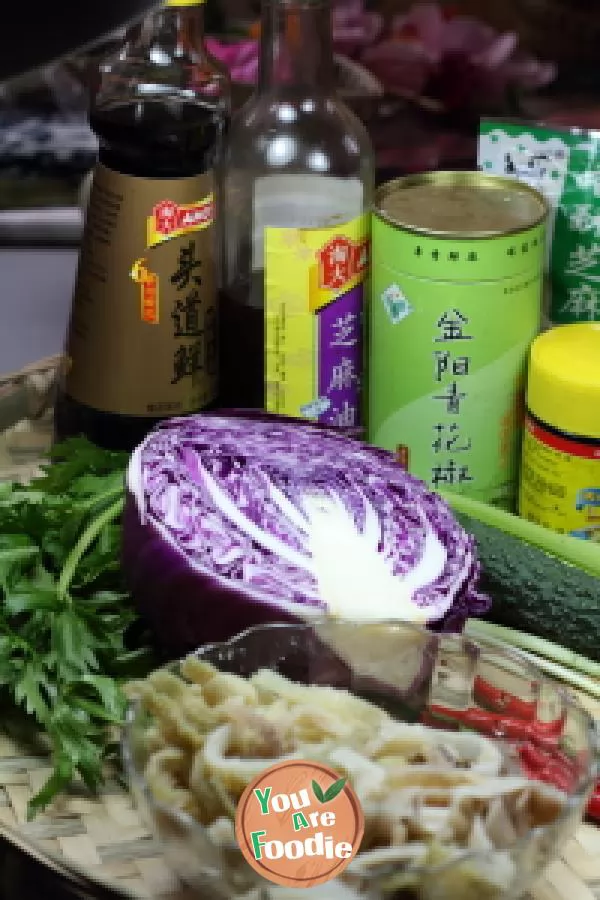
(456, 60)
(353, 27)
(239, 57)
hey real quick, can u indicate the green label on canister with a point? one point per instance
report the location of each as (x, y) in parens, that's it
(451, 322)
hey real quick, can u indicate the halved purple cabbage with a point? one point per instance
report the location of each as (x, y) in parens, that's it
(234, 520)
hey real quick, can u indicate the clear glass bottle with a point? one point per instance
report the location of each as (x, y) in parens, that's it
(299, 182)
(142, 340)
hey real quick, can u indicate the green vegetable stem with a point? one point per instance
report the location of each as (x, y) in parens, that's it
(540, 582)
(585, 555)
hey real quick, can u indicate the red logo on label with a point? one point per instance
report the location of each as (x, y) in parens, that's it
(169, 216)
(340, 260)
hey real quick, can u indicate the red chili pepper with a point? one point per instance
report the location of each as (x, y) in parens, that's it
(570, 765)
(516, 729)
(491, 723)
(555, 780)
(551, 729)
(502, 701)
(543, 737)
(505, 726)
(530, 772)
(554, 774)
(533, 758)
(488, 722)
(482, 720)
(593, 808)
(541, 758)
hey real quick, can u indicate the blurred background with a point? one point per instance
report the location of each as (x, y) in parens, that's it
(419, 75)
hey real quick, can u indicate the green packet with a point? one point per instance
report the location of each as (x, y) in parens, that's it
(564, 165)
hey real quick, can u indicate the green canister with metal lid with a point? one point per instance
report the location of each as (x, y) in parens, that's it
(456, 292)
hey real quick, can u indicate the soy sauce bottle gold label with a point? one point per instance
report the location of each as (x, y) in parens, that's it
(146, 291)
(142, 339)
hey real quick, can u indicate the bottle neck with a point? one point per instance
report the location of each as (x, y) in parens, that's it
(179, 26)
(296, 45)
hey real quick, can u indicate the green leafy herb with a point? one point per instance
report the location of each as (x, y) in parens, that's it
(65, 615)
(318, 792)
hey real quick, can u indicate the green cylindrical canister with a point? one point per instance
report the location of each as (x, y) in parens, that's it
(456, 289)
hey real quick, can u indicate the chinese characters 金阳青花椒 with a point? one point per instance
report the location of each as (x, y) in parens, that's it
(448, 370)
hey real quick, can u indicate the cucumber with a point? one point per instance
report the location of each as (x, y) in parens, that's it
(533, 588)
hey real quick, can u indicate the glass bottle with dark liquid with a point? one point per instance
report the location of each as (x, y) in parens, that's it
(298, 188)
(142, 339)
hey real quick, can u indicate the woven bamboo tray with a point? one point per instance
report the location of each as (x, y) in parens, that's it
(103, 838)
(102, 841)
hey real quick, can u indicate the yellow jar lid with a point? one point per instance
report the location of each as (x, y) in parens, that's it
(563, 388)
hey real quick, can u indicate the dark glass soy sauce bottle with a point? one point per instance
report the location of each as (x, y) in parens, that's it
(142, 337)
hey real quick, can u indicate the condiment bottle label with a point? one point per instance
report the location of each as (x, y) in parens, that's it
(314, 294)
(142, 337)
(563, 163)
(560, 482)
(447, 358)
(536, 156)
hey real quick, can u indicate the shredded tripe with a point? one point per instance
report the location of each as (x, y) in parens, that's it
(427, 795)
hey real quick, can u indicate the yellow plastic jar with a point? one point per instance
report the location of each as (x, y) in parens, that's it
(560, 472)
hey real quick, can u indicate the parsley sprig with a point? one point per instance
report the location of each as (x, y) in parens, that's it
(67, 625)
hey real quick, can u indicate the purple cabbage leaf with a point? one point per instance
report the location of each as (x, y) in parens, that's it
(232, 521)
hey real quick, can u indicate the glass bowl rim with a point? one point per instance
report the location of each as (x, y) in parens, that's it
(187, 822)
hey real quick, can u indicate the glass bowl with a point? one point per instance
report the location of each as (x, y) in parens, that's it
(453, 683)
